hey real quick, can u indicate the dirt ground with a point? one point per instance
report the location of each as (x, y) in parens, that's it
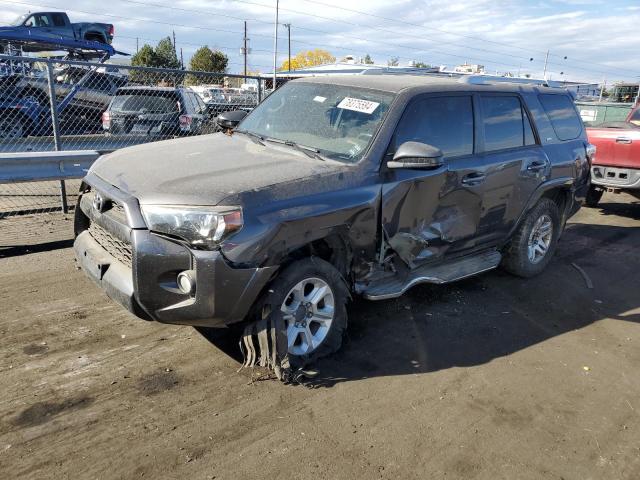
(491, 378)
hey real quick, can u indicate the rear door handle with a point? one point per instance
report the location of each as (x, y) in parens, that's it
(536, 166)
(475, 178)
(625, 140)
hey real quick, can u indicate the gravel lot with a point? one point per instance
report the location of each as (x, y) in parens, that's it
(490, 378)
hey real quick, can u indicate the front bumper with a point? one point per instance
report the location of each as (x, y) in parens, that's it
(615, 177)
(148, 286)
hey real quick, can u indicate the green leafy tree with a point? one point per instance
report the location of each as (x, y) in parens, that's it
(145, 57)
(368, 60)
(207, 60)
(166, 54)
(422, 65)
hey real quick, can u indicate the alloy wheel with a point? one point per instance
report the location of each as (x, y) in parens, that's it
(308, 311)
(540, 239)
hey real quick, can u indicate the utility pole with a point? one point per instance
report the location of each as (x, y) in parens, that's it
(174, 39)
(181, 59)
(546, 60)
(604, 85)
(245, 51)
(288, 25)
(137, 45)
(275, 44)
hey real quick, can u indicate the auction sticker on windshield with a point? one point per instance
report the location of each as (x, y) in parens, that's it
(358, 105)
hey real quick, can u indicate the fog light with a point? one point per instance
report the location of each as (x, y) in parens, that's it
(187, 282)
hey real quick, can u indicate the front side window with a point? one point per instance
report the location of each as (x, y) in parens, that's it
(506, 124)
(635, 117)
(41, 20)
(563, 116)
(443, 122)
(337, 121)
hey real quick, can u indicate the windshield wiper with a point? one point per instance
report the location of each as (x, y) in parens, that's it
(253, 136)
(308, 151)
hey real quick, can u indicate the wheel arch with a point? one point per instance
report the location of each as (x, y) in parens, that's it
(559, 190)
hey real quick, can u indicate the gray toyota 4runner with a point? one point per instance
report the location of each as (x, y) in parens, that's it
(333, 187)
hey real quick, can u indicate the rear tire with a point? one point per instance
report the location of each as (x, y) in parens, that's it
(534, 242)
(594, 195)
(311, 296)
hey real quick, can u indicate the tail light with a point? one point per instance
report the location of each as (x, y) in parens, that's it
(106, 121)
(185, 122)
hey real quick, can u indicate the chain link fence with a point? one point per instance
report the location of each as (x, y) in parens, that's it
(65, 105)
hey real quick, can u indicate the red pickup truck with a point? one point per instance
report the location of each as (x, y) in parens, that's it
(616, 166)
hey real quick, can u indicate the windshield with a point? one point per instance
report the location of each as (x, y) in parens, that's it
(148, 103)
(19, 20)
(338, 121)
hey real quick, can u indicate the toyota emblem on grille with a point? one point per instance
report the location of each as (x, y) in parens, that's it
(98, 202)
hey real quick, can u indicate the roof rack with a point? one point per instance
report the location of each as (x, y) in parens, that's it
(491, 80)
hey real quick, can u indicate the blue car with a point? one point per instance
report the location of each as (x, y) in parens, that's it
(19, 117)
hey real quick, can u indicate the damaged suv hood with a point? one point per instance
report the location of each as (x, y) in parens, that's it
(204, 170)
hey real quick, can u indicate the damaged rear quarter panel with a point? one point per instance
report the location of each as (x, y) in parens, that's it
(279, 220)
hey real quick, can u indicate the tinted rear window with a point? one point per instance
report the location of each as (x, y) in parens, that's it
(506, 124)
(58, 19)
(562, 113)
(150, 103)
(444, 122)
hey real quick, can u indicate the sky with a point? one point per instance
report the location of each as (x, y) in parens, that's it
(600, 40)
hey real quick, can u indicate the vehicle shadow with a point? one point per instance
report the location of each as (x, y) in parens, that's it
(471, 322)
(629, 210)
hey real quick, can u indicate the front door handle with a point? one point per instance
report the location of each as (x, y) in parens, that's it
(536, 166)
(475, 178)
(625, 140)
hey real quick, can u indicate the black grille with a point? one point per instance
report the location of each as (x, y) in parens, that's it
(115, 247)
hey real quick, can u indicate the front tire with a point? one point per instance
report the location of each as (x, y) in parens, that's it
(594, 195)
(534, 242)
(311, 297)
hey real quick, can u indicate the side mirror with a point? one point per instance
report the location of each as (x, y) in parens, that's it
(229, 120)
(417, 155)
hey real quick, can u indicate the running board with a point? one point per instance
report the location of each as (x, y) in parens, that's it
(443, 273)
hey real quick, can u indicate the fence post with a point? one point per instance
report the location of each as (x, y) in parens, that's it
(259, 90)
(56, 130)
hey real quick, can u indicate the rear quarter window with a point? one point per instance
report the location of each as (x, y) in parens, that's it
(563, 115)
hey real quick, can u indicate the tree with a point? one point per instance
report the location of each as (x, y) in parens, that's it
(206, 60)
(421, 65)
(393, 62)
(368, 60)
(145, 57)
(166, 54)
(309, 58)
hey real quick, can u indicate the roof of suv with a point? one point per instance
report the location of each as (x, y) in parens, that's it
(152, 89)
(398, 83)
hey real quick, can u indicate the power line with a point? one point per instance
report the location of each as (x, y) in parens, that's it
(472, 37)
(386, 44)
(333, 19)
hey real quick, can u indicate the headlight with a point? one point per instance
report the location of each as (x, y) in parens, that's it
(200, 226)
